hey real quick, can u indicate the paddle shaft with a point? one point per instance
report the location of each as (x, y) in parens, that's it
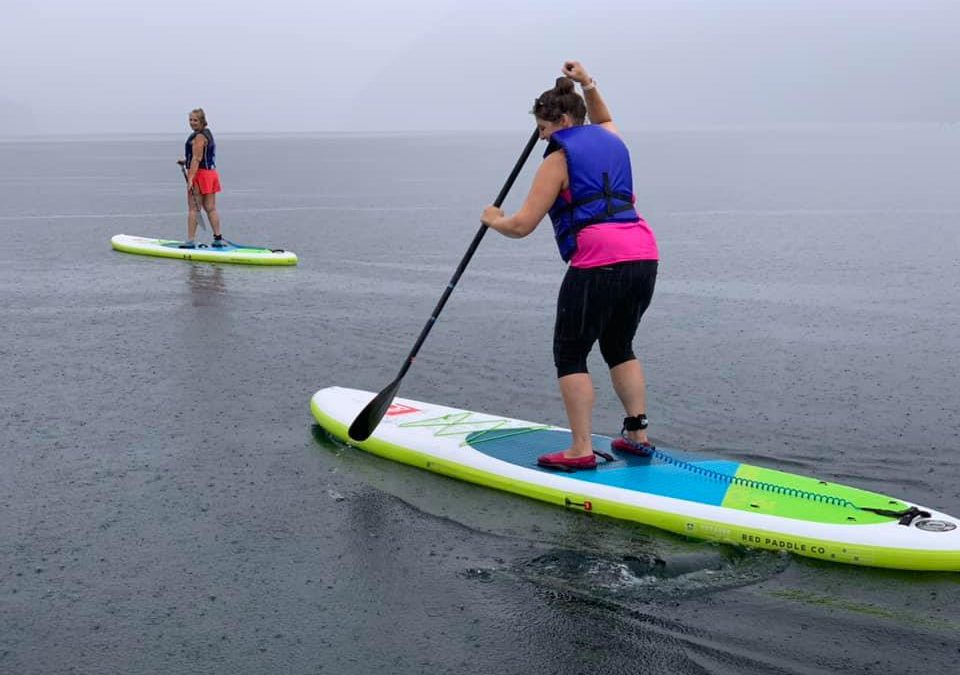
(370, 416)
(196, 198)
(469, 254)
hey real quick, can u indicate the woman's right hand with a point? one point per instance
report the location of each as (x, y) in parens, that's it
(490, 215)
(576, 72)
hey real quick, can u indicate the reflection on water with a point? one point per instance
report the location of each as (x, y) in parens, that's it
(206, 284)
(205, 323)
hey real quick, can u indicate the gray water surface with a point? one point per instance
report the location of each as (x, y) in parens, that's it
(167, 504)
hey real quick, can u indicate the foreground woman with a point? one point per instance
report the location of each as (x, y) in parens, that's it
(585, 184)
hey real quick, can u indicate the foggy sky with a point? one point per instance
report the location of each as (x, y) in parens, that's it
(373, 65)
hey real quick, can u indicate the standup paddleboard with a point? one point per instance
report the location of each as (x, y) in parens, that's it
(231, 253)
(713, 499)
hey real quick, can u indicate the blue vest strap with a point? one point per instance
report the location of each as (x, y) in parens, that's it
(608, 196)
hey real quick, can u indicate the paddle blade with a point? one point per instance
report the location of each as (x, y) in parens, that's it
(370, 416)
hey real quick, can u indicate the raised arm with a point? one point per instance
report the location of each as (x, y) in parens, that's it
(597, 111)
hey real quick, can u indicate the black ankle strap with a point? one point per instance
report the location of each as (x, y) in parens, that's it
(635, 423)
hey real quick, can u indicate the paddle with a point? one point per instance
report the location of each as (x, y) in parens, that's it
(196, 199)
(370, 417)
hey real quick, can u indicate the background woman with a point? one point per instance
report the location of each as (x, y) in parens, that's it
(203, 182)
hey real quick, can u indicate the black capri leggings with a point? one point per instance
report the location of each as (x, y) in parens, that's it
(601, 303)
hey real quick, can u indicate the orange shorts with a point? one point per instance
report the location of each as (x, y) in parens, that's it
(207, 181)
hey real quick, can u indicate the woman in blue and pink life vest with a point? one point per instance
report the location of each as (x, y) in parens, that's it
(585, 184)
(203, 182)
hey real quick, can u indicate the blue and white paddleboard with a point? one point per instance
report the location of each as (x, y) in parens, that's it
(231, 253)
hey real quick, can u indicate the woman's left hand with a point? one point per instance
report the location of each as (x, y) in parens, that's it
(576, 72)
(490, 215)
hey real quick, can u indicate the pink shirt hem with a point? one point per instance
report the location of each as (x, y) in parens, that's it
(611, 243)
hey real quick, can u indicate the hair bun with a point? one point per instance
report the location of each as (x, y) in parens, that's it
(553, 104)
(564, 85)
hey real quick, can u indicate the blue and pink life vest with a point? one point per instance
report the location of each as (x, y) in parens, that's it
(208, 161)
(601, 183)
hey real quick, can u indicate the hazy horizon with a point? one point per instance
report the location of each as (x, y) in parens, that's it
(437, 65)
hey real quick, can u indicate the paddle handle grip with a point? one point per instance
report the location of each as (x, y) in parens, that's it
(469, 254)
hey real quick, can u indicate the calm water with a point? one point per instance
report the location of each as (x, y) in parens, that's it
(167, 505)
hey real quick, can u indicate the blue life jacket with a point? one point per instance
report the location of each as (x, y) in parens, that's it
(601, 183)
(208, 161)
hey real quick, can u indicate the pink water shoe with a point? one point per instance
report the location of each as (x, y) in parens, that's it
(556, 460)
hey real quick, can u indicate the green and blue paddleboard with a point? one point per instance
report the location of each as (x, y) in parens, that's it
(689, 494)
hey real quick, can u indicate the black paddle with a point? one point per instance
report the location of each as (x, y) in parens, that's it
(196, 199)
(370, 417)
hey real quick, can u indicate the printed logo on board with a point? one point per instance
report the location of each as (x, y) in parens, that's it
(400, 409)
